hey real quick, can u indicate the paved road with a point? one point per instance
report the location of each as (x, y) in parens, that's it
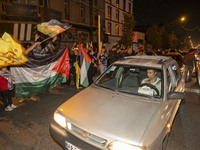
(27, 127)
(185, 134)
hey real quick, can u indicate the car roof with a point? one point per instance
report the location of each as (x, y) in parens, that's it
(144, 61)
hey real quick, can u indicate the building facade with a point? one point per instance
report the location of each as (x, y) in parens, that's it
(20, 17)
(114, 12)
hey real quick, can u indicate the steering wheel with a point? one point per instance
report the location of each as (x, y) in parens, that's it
(151, 86)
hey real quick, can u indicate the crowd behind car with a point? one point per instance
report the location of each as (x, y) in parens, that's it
(105, 57)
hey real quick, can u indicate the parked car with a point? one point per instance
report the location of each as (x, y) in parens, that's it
(176, 56)
(117, 112)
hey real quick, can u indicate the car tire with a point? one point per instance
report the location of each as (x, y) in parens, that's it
(164, 143)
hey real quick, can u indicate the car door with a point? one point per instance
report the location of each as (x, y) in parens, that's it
(176, 83)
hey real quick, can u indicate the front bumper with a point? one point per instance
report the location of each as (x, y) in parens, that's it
(59, 134)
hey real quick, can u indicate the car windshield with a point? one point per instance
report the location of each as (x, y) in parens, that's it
(133, 80)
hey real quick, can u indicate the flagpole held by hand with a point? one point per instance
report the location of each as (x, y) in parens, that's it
(54, 39)
(46, 39)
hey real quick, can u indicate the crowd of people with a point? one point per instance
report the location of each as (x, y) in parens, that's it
(39, 49)
(101, 59)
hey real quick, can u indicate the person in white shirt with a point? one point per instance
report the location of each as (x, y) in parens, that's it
(153, 80)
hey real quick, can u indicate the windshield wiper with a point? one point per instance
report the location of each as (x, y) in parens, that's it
(105, 87)
(128, 92)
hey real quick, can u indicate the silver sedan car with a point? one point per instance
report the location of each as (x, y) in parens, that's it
(131, 106)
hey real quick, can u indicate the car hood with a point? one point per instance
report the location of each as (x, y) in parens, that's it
(110, 114)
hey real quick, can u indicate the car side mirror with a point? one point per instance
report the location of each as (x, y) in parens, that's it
(175, 95)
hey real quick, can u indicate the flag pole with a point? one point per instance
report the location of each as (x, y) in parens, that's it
(46, 39)
(99, 40)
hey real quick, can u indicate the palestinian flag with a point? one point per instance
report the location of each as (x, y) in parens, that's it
(52, 28)
(39, 75)
(85, 62)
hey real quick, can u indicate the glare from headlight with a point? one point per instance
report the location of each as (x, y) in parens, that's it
(60, 119)
(69, 125)
(117, 145)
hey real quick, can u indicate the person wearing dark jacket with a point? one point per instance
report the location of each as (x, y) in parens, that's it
(188, 61)
(113, 55)
(93, 67)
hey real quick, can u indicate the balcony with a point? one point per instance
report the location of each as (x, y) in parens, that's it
(19, 12)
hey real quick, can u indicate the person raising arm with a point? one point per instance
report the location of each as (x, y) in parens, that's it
(37, 49)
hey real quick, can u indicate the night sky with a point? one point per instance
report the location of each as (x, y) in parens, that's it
(168, 12)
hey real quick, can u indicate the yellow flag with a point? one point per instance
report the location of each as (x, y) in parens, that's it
(77, 74)
(11, 52)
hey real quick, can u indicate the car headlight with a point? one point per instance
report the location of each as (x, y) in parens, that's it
(60, 119)
(117, 145)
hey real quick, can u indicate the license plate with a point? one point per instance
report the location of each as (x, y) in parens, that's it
(70, 146)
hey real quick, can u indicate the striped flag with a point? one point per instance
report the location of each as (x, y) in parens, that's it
(52, 28)
(39, 75)
(85, 62)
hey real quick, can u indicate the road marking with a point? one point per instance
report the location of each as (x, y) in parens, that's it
(192, 90)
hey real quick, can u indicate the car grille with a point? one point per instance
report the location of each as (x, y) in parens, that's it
(88, 136)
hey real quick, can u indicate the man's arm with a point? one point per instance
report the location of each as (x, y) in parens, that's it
(31, 47)
(46, 49)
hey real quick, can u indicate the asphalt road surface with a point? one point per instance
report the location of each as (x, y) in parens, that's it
(27, 127)
(185, 134)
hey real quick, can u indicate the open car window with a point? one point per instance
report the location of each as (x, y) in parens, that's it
(130, 79)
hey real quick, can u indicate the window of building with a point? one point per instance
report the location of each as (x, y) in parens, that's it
(109, 12)
(96, 17)
(109, 28)
(15, 2)
(83, 12)
(123, 18)
(117, 3)
(124, 5)
(66, 4)
(8, 1)
(29, 2)
(43, 2)
(117, 30)
(130, 8)
(109, 1)
(23, 2)
(95, 2)
(117, 15)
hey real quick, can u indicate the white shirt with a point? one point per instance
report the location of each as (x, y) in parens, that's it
(149, 91)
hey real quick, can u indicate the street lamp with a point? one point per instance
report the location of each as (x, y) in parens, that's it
(182, 19)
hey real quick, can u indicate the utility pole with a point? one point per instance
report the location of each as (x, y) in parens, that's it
(99, 31)
(91, 19)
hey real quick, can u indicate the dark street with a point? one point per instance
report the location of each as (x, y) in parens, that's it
(27, 127)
